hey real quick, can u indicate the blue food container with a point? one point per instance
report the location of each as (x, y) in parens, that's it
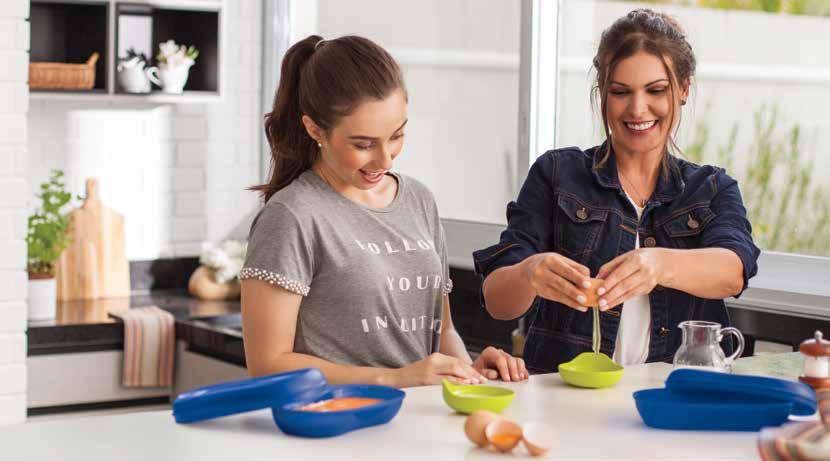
(285, 393)
(707, 400)
(292, 420)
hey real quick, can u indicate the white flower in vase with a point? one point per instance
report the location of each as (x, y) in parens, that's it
(174, 65)
(168, 48)
(226, 259)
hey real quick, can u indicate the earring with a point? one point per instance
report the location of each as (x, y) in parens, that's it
(682, 102)
(320, 145)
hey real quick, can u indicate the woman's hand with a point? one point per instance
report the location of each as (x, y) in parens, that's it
(494, 363)
(556, 278)
(434, 368)
(631, 274)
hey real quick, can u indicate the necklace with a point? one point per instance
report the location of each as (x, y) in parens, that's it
(639, 197)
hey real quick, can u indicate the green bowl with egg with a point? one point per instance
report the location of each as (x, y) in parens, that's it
(591, 370)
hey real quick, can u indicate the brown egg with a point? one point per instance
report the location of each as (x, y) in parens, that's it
(503, 434)
(538, 438)
(591, 293)
(476, 422)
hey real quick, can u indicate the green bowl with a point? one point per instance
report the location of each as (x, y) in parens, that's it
(469, 398)
(591, 370)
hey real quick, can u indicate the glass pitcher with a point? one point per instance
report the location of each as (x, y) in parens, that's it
(701, 346)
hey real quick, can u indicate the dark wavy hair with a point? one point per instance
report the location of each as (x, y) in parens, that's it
(652, 32)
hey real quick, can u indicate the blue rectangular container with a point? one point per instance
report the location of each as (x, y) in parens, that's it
(706, 400)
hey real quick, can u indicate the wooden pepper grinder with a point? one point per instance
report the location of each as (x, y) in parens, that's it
(816, 351)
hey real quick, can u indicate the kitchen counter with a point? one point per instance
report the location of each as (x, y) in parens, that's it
(213, 328)
(590, 424)
(90, 325)
(75, 360)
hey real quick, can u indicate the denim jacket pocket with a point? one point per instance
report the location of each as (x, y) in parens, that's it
(577, 235)
(687, 224)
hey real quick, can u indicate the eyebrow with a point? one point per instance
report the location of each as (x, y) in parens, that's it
(647, 84)
(370, 138)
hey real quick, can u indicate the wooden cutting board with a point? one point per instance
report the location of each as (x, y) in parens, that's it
(95, 263)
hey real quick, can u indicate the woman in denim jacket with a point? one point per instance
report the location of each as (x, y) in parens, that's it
(669, 238)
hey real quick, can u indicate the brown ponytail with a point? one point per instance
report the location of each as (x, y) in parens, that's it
(325, 80)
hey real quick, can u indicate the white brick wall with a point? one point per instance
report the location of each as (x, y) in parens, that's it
(14, 102)
(12, 285)
(15, 66)
(14, 312)
(14, 255)
(178, 173)
(12, 405)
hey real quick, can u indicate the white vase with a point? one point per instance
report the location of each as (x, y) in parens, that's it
(42, 299)
(170, 79)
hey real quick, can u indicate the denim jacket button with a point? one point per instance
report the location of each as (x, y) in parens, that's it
(649, 242)
(692, 223)
(664, 331)
(582, 214)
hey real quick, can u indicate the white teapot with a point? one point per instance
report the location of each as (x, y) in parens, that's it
(133, 77)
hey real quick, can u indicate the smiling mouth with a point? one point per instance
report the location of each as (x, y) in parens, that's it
(372, 177)
(641, 126)
(373, 174)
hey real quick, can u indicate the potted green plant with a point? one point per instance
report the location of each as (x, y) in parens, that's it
(47, 237)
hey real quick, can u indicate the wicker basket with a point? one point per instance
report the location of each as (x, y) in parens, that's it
(60, 76)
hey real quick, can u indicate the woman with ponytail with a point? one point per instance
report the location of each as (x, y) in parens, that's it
(347, 265)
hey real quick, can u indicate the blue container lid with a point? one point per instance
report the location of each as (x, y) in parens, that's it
(706, 400)
(721, 385)
(248, 395)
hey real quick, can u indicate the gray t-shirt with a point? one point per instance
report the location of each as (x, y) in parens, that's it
(372, 280)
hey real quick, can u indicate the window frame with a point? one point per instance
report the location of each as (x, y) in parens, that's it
(277, 27)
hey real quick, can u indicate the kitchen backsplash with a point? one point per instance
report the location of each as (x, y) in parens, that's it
(178, 173)
(161, 274)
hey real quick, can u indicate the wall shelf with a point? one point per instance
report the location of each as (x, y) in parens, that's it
(70, 30)
(67, 32)
(188, 97)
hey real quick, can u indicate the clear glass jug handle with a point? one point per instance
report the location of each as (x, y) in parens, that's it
(740, 337)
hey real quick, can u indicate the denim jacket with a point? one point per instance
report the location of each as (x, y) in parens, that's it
(567, 207)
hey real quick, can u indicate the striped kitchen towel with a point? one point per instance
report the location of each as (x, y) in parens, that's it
(149, 342)
(799, 441)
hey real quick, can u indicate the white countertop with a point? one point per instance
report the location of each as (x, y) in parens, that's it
(590, 425)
